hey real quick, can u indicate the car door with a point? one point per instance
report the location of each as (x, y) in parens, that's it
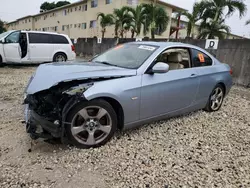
(162, 93)
(12, 49)
(40, 47)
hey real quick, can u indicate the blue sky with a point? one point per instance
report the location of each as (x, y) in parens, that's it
(13, 9)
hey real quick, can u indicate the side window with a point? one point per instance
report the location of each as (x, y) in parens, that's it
(57, 39)
(39, 38)
(13, 37)
(200, 59)
(176, 58)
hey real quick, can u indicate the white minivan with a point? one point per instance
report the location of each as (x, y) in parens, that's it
(35, 47)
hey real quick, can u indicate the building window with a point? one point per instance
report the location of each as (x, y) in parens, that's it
(63, 28)
(85, 7)
(25, 21)
(80, 7)
(84, 25)
(94, 3)
(65, 12)
(75, 8)
(92, 24)
(56, 28)
(75, 25)
(71, 10)
(29, 20)
(108, 1)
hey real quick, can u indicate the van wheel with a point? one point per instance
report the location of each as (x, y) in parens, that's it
(59, 57)
(1, 61)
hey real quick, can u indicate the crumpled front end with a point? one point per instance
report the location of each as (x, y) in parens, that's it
(45, 111)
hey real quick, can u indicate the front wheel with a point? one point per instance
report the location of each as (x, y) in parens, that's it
(92, 124)
(215, 99)
(1, 61)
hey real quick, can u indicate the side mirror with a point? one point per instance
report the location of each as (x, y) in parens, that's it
(160, 68)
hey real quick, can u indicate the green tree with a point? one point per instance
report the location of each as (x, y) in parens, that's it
(49, 6)
(194, 17)
(138, 20)
(156, 19)
(121, 18)
(2, 28)
(213, 29)
(105, 21)
(216, 8)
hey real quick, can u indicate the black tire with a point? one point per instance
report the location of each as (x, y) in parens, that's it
(58, 55)
(82, 105)
(208, 107)
(1, 61)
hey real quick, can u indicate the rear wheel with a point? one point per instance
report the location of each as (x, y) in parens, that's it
(59, 57)
(92, 124)
(215, 99)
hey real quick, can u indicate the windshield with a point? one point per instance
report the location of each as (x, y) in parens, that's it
(2, 35)
(127, 55)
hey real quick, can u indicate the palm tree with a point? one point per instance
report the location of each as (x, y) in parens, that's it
(121, 17)
(216, 8)
(194, 17)
(137, 19)
(156, 19)
(213, 29)
(105, 20)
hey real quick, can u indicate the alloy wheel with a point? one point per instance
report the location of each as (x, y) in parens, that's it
(216, 99)
(91, 125)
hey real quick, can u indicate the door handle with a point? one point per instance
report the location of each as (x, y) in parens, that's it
(193, 75)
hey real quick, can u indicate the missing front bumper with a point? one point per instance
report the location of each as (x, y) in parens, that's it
(40, 127)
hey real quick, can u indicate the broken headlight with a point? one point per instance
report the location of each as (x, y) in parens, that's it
(78, 89)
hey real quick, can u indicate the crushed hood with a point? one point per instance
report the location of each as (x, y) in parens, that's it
(48, 75)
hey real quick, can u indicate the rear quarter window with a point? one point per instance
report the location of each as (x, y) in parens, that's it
(58, 39)
(200, 59)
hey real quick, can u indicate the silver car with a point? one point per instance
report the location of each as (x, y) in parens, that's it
(129, 85)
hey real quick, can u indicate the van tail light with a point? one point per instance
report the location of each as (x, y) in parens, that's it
(72, 48)
(231, 71)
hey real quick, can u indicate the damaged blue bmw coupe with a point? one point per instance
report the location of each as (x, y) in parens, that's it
(129, 85)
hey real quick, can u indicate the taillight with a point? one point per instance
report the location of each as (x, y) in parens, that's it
(73, 48)
(231, 71)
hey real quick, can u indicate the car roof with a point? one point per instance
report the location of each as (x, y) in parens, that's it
(160, 44)
(170, 44)
(42, 32)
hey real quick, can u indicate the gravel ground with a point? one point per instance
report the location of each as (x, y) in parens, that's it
(198, 150)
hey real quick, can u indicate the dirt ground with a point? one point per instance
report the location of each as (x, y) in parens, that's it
(198, 150)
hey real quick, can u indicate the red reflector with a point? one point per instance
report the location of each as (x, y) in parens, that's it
(73, 48)
(231, 71)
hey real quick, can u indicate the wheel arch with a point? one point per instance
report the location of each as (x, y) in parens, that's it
(117, 107)
(223, 86)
